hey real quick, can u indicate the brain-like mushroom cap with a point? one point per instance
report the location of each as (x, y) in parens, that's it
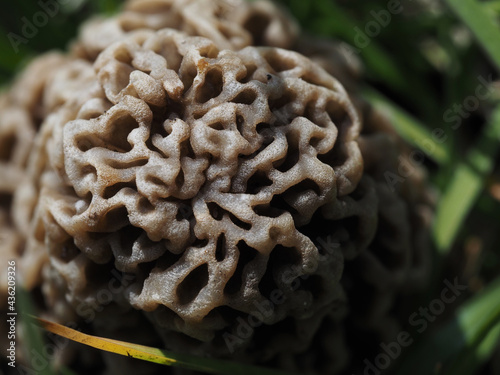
(221, 190)
(197, 171)
(230, 24)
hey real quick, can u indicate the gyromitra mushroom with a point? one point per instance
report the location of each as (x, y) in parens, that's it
(196, 173)
(232, 187)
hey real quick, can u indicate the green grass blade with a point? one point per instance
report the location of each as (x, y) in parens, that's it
(413, 131)
(466, 185)
(472, 358)
(467, 340)
(333, 20)
(339, 23)
(33, 341)
(482, 25)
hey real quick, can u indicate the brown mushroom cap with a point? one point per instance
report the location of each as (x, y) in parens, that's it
(225, 183)
(202, 166)
(230, 24)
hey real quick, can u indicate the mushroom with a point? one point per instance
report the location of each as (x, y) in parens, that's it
(231, 24)
(234, 195)
(199, 176)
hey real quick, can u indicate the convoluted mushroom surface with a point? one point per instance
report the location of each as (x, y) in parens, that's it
(200, 174)
(237, 194)
(231, 24)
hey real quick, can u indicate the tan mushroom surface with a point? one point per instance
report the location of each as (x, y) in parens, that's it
(181, 170)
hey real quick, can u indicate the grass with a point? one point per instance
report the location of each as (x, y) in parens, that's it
(416, 69)
(159, 356)
(466, 184)
(481, 21)
(462, 344)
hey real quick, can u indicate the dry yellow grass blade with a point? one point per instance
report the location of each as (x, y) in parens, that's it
(146, 353)
(119, 347)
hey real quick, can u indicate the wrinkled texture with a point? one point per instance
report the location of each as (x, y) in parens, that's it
(230, 24)
(205, 165)
(207, 183)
